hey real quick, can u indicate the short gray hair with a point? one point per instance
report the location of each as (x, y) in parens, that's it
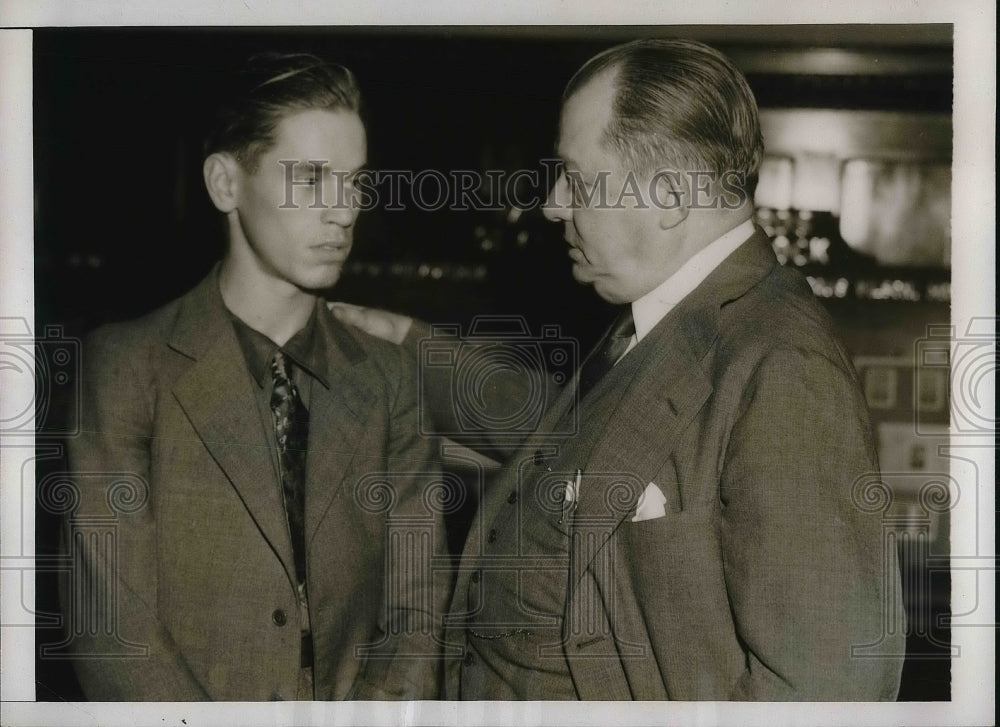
(679, 104)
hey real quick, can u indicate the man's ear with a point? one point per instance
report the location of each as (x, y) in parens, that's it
(672, 197)
(222, 178)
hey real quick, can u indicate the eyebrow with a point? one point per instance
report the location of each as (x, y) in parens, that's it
(300, 167)
(310, 168)
(572, 166)
(567, 160)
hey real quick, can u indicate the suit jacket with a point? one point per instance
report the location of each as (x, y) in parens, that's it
(194, 598)
(767, 578)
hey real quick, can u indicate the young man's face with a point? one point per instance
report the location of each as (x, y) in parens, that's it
(297, 221)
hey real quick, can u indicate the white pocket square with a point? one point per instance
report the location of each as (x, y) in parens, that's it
(650, 505)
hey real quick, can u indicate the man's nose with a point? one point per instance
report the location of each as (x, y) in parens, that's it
(557, 205)
(341, 214)
(342, 210)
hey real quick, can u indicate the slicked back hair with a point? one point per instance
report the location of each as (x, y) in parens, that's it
(680, 105)
(266, 89)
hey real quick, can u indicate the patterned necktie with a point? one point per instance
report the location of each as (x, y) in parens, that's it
(291, 429)
(607, 352)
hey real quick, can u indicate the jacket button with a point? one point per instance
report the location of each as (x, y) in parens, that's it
(512, 497)
(469, 659)
(492, 537)
(279, 618)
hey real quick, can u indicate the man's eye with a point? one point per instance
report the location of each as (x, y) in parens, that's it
(573, 182)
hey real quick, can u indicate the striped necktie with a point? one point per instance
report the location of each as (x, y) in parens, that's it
(607, 352)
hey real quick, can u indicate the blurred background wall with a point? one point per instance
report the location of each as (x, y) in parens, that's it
(855, 191)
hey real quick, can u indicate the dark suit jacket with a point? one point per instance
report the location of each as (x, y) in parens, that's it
(202, 572)
(766, 579)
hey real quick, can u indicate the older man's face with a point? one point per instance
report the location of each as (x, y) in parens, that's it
(614, 231)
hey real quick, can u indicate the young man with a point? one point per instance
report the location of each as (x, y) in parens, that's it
(269, 448)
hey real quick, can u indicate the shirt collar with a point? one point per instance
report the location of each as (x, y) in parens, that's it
(650, 309)
(305, 349)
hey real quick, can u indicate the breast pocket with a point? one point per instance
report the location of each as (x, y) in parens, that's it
(660, 497)
(675, 556)
(653, 539)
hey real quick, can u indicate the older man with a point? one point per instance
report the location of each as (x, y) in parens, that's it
(699, 536)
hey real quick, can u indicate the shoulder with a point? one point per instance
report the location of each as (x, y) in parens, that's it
(777, 343)
(780, 363)
(121, 369)
(388, 361)
(131, 344)
(779, 314)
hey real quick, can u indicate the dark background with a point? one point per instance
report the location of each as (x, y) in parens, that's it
(122, 222)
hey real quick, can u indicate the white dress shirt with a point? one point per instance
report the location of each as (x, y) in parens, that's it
(650, 309)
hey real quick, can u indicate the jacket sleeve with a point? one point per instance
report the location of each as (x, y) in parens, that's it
(811, 578)
(407, 664)
(121, 649)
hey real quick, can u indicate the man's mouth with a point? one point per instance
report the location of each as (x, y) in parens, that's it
(333, 249)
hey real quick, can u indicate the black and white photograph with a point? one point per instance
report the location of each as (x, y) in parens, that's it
(501, 372)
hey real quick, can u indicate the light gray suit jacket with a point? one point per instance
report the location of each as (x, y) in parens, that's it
(201, 572)
(767, 578)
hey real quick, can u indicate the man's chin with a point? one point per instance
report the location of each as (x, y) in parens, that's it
(320, 281)
(610, 294)
(584, 275)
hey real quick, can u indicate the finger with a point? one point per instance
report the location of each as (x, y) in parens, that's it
(351, 315)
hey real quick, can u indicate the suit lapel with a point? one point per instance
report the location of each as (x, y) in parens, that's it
(671, 385)
(337, 418)
(215, 394)
(667, 390)
(640, 434)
